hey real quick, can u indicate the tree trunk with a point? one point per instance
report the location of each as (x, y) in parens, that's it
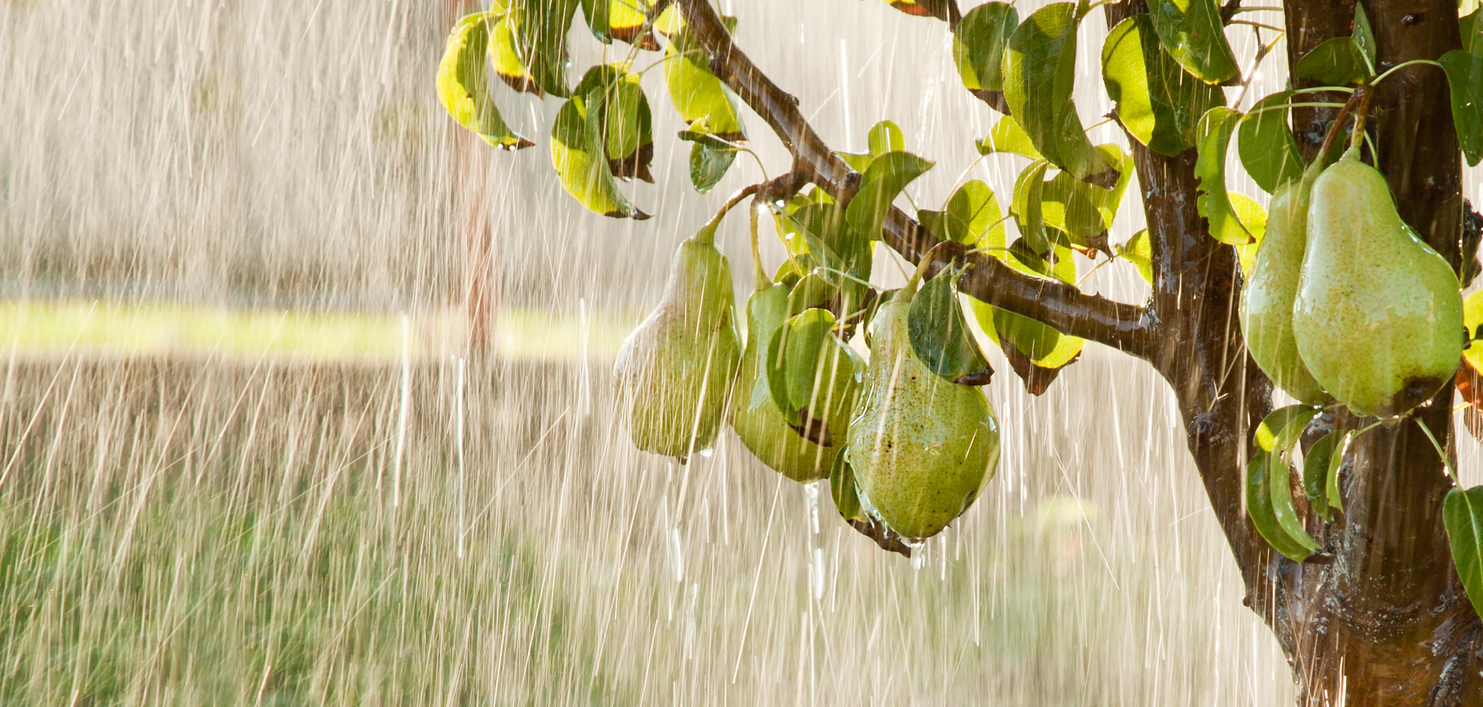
(1378, 618)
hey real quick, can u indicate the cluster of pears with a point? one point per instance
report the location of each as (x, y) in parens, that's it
(919, 447)
(1345, 301)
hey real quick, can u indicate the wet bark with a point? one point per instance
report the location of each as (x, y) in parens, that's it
(1377, 618)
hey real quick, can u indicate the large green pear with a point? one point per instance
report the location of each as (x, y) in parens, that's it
(761, 425)
(920, 445)
(675, 370)
(1378, 315)
(1267, 299)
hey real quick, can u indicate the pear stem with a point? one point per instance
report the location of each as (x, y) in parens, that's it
(1365, 94)
(707, 233)
(1339, 120)
(910, 288)
(1446, 463)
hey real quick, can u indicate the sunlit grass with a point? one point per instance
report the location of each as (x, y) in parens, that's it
(48, 327)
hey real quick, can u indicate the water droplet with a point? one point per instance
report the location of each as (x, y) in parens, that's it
(706, 453)
(918, 553)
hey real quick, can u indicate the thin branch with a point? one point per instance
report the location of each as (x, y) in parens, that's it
(1060, 305)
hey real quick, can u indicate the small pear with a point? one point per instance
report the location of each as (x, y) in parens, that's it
(1378, 315)
(758, 421)
(921, 446)
(1266, 301)
(675, 370)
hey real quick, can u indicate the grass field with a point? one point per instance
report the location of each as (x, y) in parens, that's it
(291, 530)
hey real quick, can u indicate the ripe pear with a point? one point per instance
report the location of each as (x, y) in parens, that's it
(921, 446)
(675, 370)
(758, 421)
(1378, 315)
(1266, 301)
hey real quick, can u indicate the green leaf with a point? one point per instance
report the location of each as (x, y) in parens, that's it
(463, 84)
(801, 357)
(1338, 62)
(505, 58)
(1462, 513)
(1029, 189)
(939, 333)
(626, 123)
(1039, 76)
(1470, 33)
(1214, 202)
(1259, 508)
(628, 20)
(1266, 145)
(577, 154)
(1281, 481)
(883, 181)
(941, 9)
(1269, 433)
(842, 488)
(1254, 217)
(1157, 101)
(979, 42)
(1364, 34)
(1139, 251)
(1008, 136)
(1315, 472)
(883, 137)
(1465, 78)
(1336, 462)
(708, 166)
(1037, 352)
(971, 210)
(540, 40)
(1192, 32)
(1082, 211)
(696, 92)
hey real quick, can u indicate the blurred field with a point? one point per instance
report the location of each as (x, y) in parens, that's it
(180, 531)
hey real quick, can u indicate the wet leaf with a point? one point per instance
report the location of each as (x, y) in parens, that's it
(1336, 462)
(1036, 351)
(1157, 101)
(1029, 189)
(1259, 509)
(1280, 470)
(1465, 79)
(1210, 168)
(623, 113)
(1192, 32)
(1364, 34)
(1462, 513)
(1039, 75)
(1471, 30)
(1269, 433)
(1007, 136)
(1254, 217)
(697, 93)
(541, 28)
(1315, 473)
(463, 84)
(969, 212)
(1337, 62)
(1138, 250)
(979, 42)
(842, 488)
(801, 360)
(708, 166)
(814, 289)
(625, 20)
(1266, 145)
(945, 10)
(577, 154)
(939, 333)
(882, 182)
(506, 60)
(883, 137)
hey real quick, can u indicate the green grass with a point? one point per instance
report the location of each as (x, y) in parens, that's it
(49, 327)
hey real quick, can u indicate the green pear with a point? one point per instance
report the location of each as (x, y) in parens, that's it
(675, 370)
(1378, 315)
(921, 446)
(764, 428)
(1267, 299)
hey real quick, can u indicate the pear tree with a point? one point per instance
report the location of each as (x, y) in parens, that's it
(1356, 541)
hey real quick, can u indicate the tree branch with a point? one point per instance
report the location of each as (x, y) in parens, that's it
(1060, 305)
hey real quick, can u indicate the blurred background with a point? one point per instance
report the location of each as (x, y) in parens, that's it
(306, 400)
